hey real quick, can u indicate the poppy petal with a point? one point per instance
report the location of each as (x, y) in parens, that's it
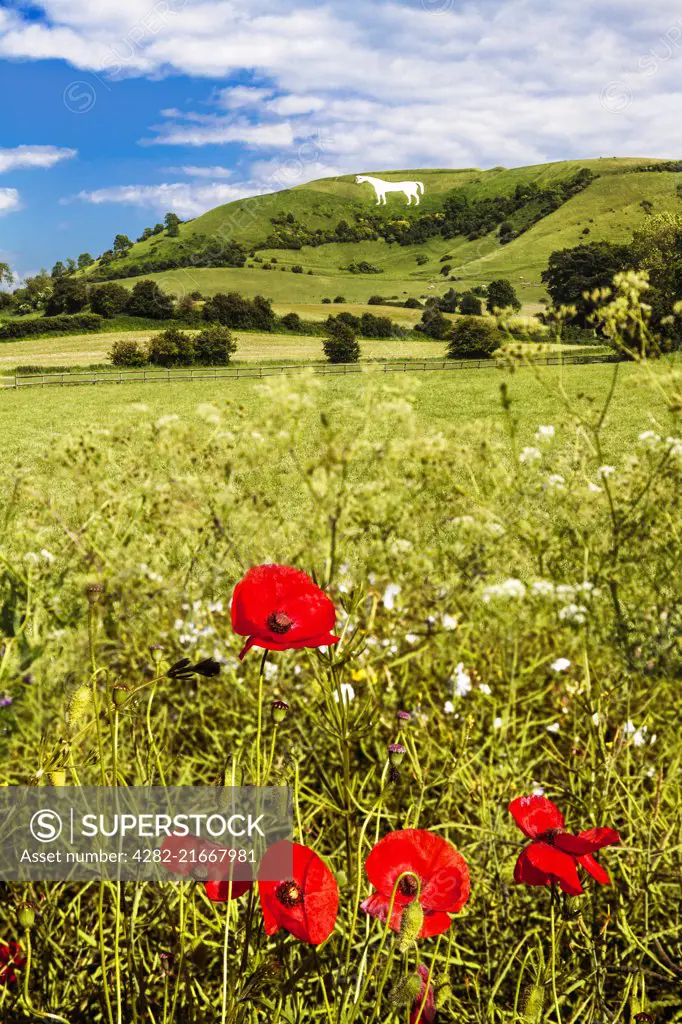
(560, 866)
(525, 873)
(219, 892)
(586, 842)
(376, 905)
(594, 868)
(441, 870)
(313, 917)
(535, 815)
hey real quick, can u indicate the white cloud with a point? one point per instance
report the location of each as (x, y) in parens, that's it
(216, 131)
(292, 105)
(239, 96)
(9, 201)
(204, 172)
(185, 199)
(33, 156)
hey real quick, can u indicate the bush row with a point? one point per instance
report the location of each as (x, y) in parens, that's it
(51, 325)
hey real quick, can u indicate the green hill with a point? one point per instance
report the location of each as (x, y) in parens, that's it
(609, 202)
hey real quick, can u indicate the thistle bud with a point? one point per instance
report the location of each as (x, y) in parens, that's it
(94, 592)
(26, 916)
(79, 704)
(406, 991)
(410, 924)
(279, 710)
(167, 960)
(57, 777)
(120, 694)
(403, 718)
(156, 652)
(396, 752)
(534, 1004)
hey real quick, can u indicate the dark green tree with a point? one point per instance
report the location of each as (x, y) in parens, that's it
(573, 272)
(148, 300)
(171, 348)
(58, 269)
(85, 260)
(121, 245)
(109, 299)
(214, 346)
(341, 344)
(470, 305)
(473, 337)
(172, 222)
(501, 295)
(69, 295)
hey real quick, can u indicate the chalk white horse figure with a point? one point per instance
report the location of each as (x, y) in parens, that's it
(381, 187)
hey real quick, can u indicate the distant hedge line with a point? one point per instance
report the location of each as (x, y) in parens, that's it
(65, 324)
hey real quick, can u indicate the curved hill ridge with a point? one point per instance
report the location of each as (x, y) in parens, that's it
(623, 192)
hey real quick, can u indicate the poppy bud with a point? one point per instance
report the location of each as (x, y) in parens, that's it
(166, 962)
(410, 924)
(57, 777)
(572, 908)
(534, 1005)
(120, 694)
(644, 1018)
(79, 704)
(94, 592)
(279, 710)
(26, 916)
(396, 752)
(406, 991)
(443, 993)
(156, 651)
(403, 718)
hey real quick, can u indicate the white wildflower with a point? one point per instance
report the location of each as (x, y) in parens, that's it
(512, 589)
(555, 482)
(542, 588)
(449, 621)
(345, 694)
(484, 688)
(595, 718)
(538, 791)
(448, 707)
(270, 670)
(595, 488)
(530, 455)
(574, 613)
(554, 727)
(461, 681)
(605, 471)
(545, 433)
(411, 638)
(560, 665)
(390, 594)
(497, 724)
(166, 421)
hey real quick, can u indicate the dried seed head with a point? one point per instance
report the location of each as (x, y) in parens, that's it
(406, 991)
(396, 752)
(120, 694)
(410, 924)
(94, 592)
(279, 710)
(26, 915)
(79, 704)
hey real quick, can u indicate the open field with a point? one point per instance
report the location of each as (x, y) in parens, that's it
(513, 593)
(471, 402)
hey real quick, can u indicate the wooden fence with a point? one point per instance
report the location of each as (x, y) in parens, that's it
(153, 375)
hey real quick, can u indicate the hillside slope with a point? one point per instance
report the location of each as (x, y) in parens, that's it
(612, 205)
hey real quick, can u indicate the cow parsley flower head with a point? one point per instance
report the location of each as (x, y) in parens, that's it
(545, 433)
(390, 594)
(530, 455)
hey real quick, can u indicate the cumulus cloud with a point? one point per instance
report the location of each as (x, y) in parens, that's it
(33, 156)
(393, 83)
(204, 172)
(9, 200)
(184, 198)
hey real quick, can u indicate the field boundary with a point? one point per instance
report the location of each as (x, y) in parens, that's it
(158, 375)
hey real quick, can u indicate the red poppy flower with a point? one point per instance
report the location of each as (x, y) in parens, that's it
(11, 960)
(306, 903)
(554, 854)
(428, 1014)
(280, 608)
(207, 863)
(442, 872)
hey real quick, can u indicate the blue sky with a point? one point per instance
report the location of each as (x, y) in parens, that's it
(115, 111)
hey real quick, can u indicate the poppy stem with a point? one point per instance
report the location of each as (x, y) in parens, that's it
(27, 995)
(259, 731)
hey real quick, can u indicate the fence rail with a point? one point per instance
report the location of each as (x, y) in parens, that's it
(158, 375)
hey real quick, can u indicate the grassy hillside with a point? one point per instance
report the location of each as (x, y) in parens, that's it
(609, 208)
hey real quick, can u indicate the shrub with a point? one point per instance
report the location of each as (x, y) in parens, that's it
(291, 321)
(127, 352)
(187, 311)
(433, 324)
(375, 300)
(412, 304)
(214, 346)
(363, 267)
(473, 337)
(339, 299)
(76, 324)
(372, 326)
(421, 259)
(171, 348)
(470, 305)
(297, 269)
(69, 295)
(445, 269)
(148, 300)
(234, 310)
(341, 344)
(326, 302)
(109, 299)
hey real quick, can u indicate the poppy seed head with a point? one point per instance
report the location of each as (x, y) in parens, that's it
(289, 894)
(279, 622)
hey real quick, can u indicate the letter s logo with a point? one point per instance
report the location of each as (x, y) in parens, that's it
(46, 826)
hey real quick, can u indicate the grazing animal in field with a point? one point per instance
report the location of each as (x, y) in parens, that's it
(381, 187)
